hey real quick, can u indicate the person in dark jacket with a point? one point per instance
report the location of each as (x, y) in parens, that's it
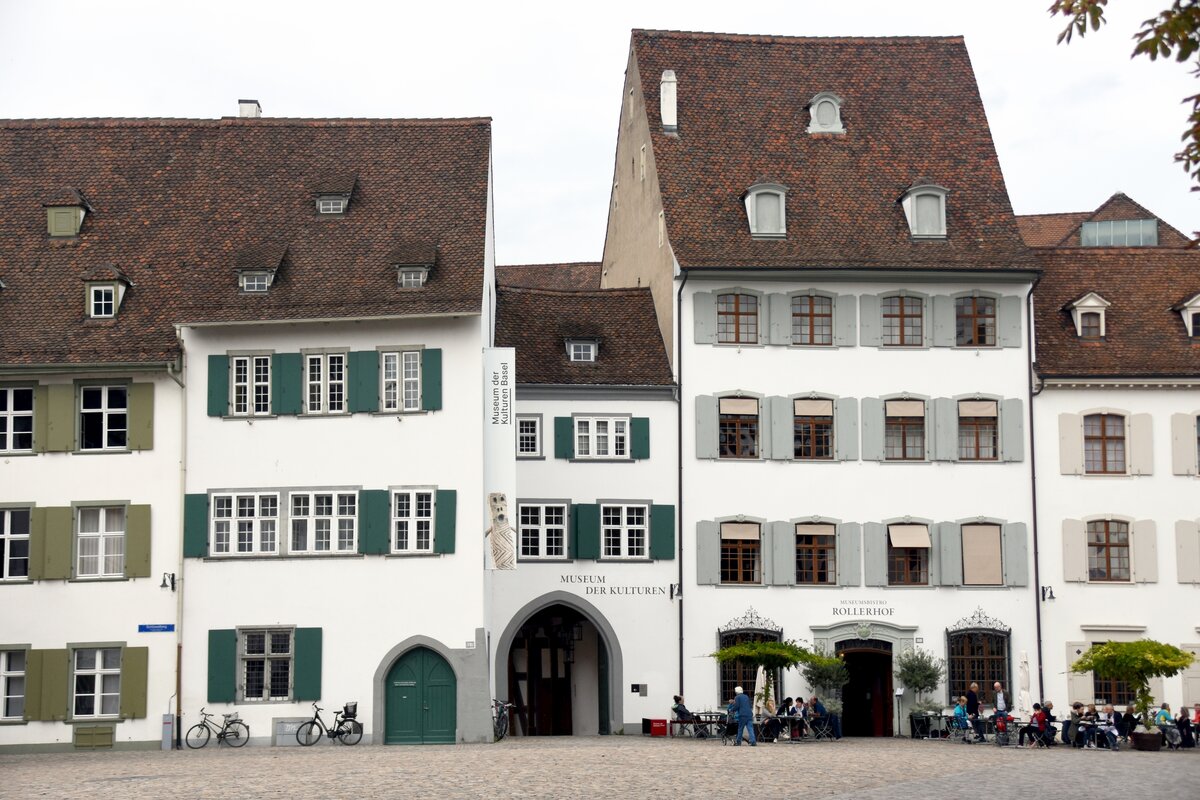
(973, 709)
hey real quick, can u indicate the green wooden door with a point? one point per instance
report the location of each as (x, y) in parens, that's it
(421, 705)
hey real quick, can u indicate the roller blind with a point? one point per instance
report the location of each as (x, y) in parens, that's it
(977, 408)
(739, 405)
(813, 408)
(909, 535)
(982, 564)
(739, 530)
(815, 530)
(905, 408)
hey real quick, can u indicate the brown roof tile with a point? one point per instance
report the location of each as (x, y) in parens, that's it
(538, 322)
(1063, 230)
(176, 201)
(1047, 230)
(911, 109)
(578, 275)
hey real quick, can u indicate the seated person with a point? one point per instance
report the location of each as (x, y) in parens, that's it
(1072, 732)
(817, 711)
(1051, 731)
(1087, 724)
(683, 715)
(1035, 730)
(1184, 723)
(962, 720)
(1129, 722)
(1166, 723)
(1107, 725)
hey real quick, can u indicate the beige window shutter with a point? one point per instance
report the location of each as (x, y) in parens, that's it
(982, 564)
(1075, 561)
(1080, 687)
(1141, 445)
(1145, 551)
(1187, 552)
(1183, 444)
(1070, 444)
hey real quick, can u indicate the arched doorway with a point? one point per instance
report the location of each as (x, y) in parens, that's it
(867, 698)
(421, 699)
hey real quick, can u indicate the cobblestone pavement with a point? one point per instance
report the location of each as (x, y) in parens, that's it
(611, 767)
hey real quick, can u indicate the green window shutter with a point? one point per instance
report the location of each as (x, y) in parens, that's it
(875, 546)
(872, 429)
(374, 537)
(945, 428)
(704, 307)
(782, 413)
(47, 679)
(585, 518)
(60, 418)
(564, 438)
(446, 510)
(869, 326)
(1008, 324)
(639, 447)
(57, 542)
(37, 543)
(1016, 554)
(849, 554)
(286, 379)
(222, 666)
(137, 542)
(431, 379)
(708, 553)
(662, 532)
(218, 386)
(949, 542)
(845, 429)
(1012, 430)
(781, 318)
(306, 681)
(707, 438)
(782, 547)
(364, 381)
(845, 320)
(945, 333)
(195, 526)
(141, 416)
(41, 415)
(135, 667)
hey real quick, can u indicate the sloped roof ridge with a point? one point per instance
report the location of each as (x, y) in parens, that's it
(549, 264)
(186, 122)
(755, 37)
(1111, 199)
(616, 290)
(1055, 214)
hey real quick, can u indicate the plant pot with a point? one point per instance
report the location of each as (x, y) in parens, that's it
(1143, 740)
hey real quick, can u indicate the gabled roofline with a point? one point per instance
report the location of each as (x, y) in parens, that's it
(1091, 218)
(318, 320)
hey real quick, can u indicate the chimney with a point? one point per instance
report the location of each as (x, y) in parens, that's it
(249, 108)
(666, 101)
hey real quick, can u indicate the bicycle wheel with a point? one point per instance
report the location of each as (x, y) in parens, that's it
(308, 734)
(501, 724)
(350, 732)
(197, 736)
(237, 734)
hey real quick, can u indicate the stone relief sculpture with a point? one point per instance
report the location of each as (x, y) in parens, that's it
(504, 554)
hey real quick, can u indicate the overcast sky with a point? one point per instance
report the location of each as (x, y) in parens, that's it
(1072, 124)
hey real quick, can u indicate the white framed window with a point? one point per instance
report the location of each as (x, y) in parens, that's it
(581, 350)
(331, 205)
(401, 380)
(1088, 314)
(102, 301)
(623, 531)
(256, 282)
(412, 277)
(103, 417)
(16, 419)
(1119, 233)
(251, 385)
(825, 114)
(766, 210)
(325, 383)
(324, 522)
(266, 664)
(12, 684)
(412, 520)
(601, 437)
(529, 436)
(543, 531)
(100, 542)
(14, 544)
(245, 524)
(96, 682)
(925, 209)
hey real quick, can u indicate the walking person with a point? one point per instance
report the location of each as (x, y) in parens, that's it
(745, 716)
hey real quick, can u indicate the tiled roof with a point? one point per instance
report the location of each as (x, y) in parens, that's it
(538, 322)
(578, 275)
(911, 109)
(177, 201)
(1063, 230)
(1047, 230)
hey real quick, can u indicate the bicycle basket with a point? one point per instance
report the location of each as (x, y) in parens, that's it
(350, 711)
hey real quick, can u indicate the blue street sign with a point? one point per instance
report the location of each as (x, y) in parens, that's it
(163, 627)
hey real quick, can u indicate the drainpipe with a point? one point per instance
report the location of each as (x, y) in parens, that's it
(679, 454)
(1037, 575)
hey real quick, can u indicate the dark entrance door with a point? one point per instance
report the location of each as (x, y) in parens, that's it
(867, 699)
(421, 704)
(546, 679)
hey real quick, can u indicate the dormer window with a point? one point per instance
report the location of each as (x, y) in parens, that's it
(766, 211)
(102, 300)
(332, 191)
(331, 205)
(1119, 233)
(1088, 312)
(257, 281)
(104, 291)
(925, 209)
(412, 277)
(826, 114)
(65, 212)
(582, 349)
(1190, 311)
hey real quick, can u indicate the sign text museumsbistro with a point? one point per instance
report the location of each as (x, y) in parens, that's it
(596, 584)
(863, 608)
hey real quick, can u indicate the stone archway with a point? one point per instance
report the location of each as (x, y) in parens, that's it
(868, 648)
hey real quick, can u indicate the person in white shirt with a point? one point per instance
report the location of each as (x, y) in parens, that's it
(1107, 723)
(1001, 704)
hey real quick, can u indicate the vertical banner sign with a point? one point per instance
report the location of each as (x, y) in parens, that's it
(499, 455)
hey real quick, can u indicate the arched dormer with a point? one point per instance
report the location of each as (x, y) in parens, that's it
(766, 210)
(924, 204)
(825, 114)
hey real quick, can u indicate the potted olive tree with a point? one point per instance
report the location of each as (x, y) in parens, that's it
(1136, 663)
(921, 672)
(771, 656)
(827, 674)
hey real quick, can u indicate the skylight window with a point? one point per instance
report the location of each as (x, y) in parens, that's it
(1120, 233)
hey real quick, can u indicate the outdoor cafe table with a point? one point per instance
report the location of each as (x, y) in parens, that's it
(709, 722)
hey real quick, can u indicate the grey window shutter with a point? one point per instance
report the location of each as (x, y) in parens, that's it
(1012, 429)
(783, 426)
(1070, 444)
(935, 556)
(1141, 445)
(872, 429)
(1008, 322)
(764, 319)
(875, 568)
(930, 432)
(765, 428)
(1183, 444)
(1187, 552)
(781, 318)
(944, 328)
(868, 320)
(783, 553)
(845, 429)
(704, 309)
(1145, 551)
(945, 429)
(949, 542)
(1080, 686)
(708, 553)
(1075, 560)
(706, 426)
(845, 320)
(849, 554)
(1016, 554)
(927, 321)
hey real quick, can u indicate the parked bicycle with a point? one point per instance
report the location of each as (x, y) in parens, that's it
(346, 729)
(500, 718)
(233, 732)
